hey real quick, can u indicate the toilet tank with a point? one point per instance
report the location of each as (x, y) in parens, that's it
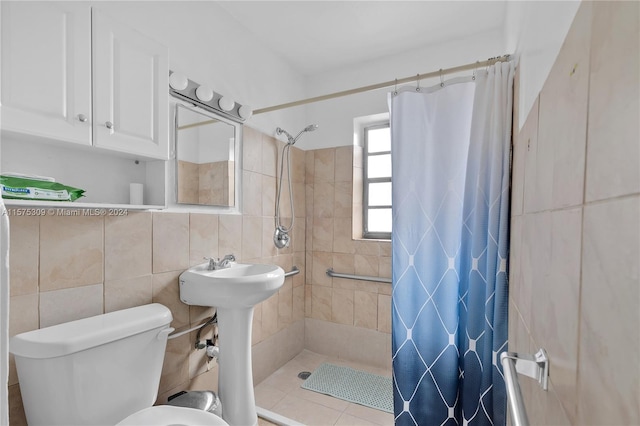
(93, 371)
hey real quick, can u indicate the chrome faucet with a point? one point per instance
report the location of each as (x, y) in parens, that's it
(225, 262)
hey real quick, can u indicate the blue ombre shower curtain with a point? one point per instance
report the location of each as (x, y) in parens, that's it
(450, 155)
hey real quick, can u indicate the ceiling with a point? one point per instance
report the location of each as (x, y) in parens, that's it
(320, 36)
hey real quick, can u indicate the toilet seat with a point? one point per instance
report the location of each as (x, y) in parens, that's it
(168, 415)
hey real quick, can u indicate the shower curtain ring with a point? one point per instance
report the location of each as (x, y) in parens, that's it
(441, 78)
(395, 88)
(473, 77)
(418, 82)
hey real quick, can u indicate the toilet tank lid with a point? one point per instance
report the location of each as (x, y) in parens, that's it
(67, 338)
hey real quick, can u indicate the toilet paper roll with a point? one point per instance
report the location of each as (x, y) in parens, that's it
(136, 193)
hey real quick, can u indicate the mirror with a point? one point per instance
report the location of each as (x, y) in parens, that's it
(206, 150)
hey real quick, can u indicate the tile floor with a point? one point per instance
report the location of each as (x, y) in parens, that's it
(282, 394)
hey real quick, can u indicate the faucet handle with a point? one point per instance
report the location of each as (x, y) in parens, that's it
(213, 262)
(230, 257)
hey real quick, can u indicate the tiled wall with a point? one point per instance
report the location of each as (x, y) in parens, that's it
(575, 240)
(70, 267)
(345, 318)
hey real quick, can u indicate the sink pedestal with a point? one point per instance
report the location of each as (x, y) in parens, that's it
(235, 376)
(234, 291)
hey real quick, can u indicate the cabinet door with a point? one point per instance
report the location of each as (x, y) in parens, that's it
(130, 90)
(46, 69)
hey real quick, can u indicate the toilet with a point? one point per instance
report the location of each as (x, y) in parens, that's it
(103, 370)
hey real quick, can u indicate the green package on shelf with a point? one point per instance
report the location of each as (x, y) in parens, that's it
(32, 189)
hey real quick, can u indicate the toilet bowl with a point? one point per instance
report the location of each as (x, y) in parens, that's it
(167, 415)
(102, 370)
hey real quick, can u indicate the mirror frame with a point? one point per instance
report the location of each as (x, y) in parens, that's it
(238, 134)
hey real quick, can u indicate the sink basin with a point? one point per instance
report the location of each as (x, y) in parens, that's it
(240, 285)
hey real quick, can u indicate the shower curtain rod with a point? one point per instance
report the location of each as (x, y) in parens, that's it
(389, 83)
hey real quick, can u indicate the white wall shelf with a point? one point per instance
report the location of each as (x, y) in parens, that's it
(105, 176)
(29, 204)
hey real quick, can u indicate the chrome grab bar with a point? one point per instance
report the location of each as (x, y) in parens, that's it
(292, 272)
(357, 277)
(534, 366)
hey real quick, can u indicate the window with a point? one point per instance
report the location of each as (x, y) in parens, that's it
(377, 182)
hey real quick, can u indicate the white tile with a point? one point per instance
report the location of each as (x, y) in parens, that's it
(170, 242)
(71, 251)
(268, 396)
(127, 246)
(203, 237)
(555, 306)
(535, 260)
(349, 420)
(613, 151)
(609, 340)
(24, 256)
(127, 293)
(562, 122)
(306, 412)
(166, 290)
(285, 378)
(515, 258)
(310, 360)
(70, 304)
(555, 413)
(319, 398)
(374, 416)
(538, 173)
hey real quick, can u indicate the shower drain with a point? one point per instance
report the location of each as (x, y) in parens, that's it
(304, 375)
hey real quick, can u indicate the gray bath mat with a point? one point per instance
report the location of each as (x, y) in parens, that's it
(352, 385)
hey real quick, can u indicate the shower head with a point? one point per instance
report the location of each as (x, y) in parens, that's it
(280, 131)
(291, 139)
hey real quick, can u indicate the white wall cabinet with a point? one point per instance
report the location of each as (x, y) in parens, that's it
(80, 87)
(46, 70)
(130, 89)
(75, 75)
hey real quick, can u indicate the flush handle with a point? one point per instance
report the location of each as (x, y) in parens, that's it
(164, 333)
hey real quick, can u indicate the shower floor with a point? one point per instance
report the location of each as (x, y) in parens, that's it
(282, 394)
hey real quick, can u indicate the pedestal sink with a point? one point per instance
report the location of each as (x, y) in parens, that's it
(233, 291)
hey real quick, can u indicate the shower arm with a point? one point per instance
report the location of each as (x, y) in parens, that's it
(292, 140)
(298, 135)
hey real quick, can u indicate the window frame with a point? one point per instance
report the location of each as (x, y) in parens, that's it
(366, 234)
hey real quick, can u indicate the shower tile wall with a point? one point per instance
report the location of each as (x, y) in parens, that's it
(70, 267)
(345, 318)
(575, 239)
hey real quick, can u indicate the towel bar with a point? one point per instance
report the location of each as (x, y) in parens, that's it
(292, 272)
(357, 277)
(534, 366)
